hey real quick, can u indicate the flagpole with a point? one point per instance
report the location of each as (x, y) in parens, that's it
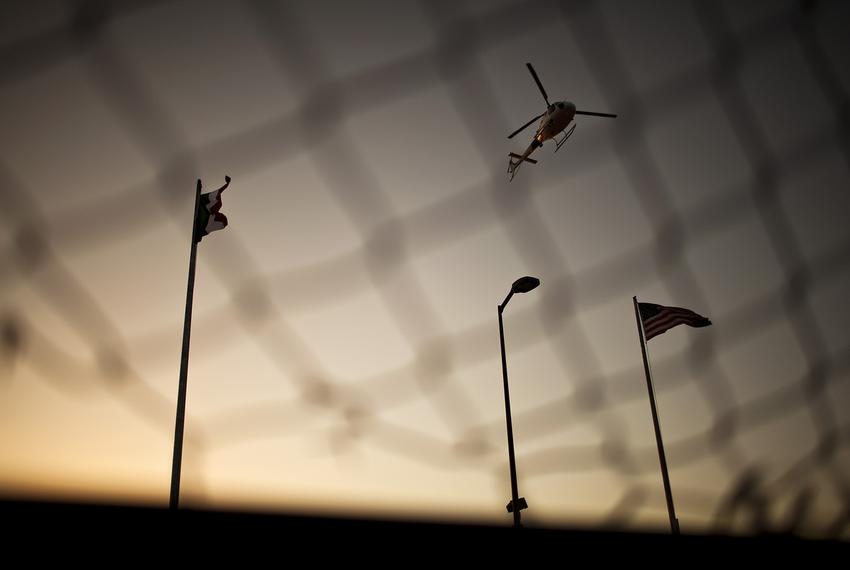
(184, 364)
(674, 522)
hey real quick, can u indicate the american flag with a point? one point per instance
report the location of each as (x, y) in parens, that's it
(658, 318)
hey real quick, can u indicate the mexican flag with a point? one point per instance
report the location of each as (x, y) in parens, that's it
(209, 217)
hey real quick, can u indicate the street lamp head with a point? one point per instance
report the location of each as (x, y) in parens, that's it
(525, 284)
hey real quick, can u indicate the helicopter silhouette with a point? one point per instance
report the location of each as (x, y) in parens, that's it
(555, 119)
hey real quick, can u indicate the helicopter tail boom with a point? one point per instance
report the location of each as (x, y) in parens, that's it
(515, 160)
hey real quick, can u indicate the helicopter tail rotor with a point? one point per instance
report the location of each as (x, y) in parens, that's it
(515, 160)
(520, 158)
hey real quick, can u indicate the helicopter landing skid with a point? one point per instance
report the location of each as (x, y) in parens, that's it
(559, 143)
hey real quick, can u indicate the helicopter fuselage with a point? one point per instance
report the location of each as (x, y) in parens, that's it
(556, 119)
(558, 116)
(553, 121)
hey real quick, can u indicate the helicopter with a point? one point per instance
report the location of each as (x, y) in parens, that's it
(555, 119)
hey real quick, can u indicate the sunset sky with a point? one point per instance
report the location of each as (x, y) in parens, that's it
(345, 348)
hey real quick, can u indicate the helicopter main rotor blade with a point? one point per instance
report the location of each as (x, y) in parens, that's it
(525, 126)
(540, 85)
(596, 114)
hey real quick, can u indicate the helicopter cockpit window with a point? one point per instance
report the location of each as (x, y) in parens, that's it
(560, 105)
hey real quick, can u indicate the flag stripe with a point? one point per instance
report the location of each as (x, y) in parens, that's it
(213, 200)
(216, 222)
(210, 219)
(655, 329)
(658, 318)
(672, 318)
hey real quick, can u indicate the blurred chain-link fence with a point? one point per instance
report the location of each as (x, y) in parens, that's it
(774, 77)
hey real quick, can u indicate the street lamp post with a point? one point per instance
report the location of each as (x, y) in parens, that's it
(521, 285)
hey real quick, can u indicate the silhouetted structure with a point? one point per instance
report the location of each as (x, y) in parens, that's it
(517, 504)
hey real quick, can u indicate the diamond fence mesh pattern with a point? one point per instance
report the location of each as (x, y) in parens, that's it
(263, 309)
